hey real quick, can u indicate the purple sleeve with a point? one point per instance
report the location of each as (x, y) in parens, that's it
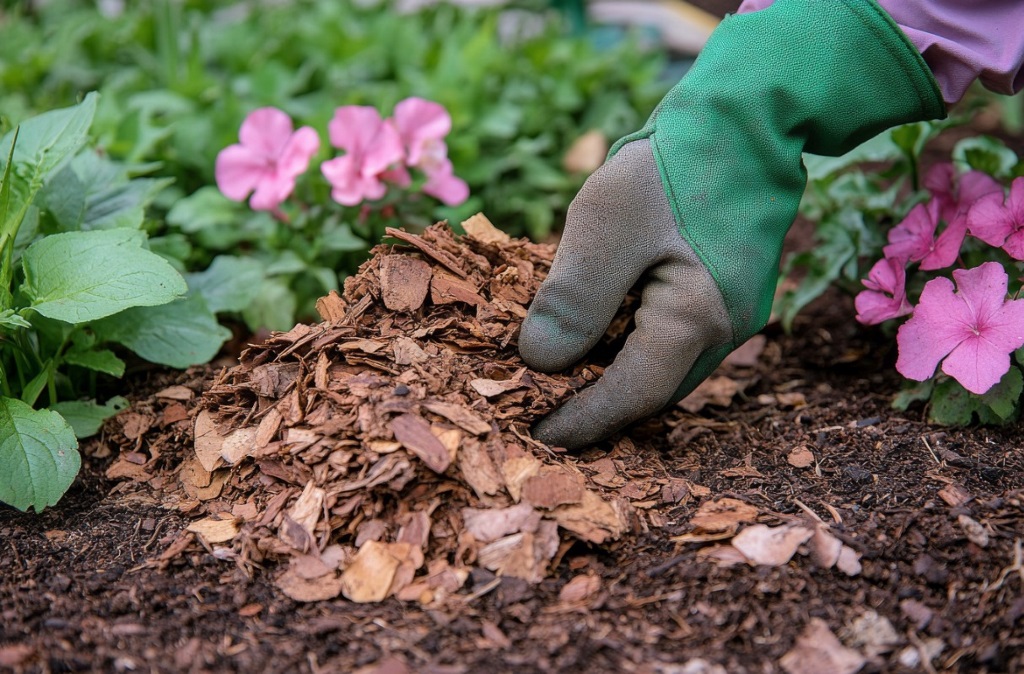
(960, 40)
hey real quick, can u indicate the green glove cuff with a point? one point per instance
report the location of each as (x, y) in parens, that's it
(816, 76)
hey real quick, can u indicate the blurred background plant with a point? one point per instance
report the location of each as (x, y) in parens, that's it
(177, 78)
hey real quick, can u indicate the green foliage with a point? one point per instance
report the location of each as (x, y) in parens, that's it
(953, 405)
(178, 78)
(78, 278)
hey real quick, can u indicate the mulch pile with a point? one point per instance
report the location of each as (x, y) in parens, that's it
(386, 451)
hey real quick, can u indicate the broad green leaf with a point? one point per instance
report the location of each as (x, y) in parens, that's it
(86, 417)
(340, 238)
(38, 456)
(985, 153)
(914, 392)
(100, 360)
(36, 384)
(180, 334)
(8, 231)
(952, 404)
(9, 320)
(229, 283)
(286, 262)
(274, 307)
(45, 142)
(93, 192)
(83, 276)
(204, 208)
(1004, 396)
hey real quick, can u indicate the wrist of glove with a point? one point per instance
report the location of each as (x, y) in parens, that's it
(694, 206)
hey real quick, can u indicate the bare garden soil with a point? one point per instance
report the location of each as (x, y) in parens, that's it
(627, 564)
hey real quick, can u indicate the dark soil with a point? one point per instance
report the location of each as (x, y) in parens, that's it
(75, 593)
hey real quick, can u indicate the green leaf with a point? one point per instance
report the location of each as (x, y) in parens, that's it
(952, 404)
(45, 142)
(86, 417)
(101, 360)
(10, 320)
(915, 392)
(1004, 396)
(95, 193)
(985, 153)
(82, 276)
(340, 238)
(180, 334)
(273, 308)
(206, 207)
(229, 283)
(881, 148)
(35, 386)
(38, 456)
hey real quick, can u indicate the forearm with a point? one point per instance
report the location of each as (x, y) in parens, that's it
(960, 40)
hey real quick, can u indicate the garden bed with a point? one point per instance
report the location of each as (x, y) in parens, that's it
(797, 434)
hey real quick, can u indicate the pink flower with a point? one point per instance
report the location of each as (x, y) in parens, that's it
(371, 145)
(974, 329)
(1000, 222)
(423, 125)
(956, 196)
(914, 239)
(267, 160)
(886, 294)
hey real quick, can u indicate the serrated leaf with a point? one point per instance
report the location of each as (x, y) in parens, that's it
(86, 416)
(83, 276)
(101, 360)
(229, 283)
(45, 143)
(38, 456)
(180, 334)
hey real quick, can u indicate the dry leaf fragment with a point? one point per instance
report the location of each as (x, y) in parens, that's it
(800, 457)
(849, 561)
(490, 524)
(370, 574)
(747, 354)
(713, 391)
(580, 588)
(552, 487)
(13, 655)
(818, 651)
(331, 307)
(871, 633)
(489, 388)
(215, 529)
(593, 519)
(825, 548)
(725, 514)
(725, 556)
(955, 495)
(445, 289)
(458, 415)
(771, 546)
(208, 441)
(415, 435)
(327, 586)
(308, 507)
(404, 282)
(480, 228)
(182, 393)
(407, 352)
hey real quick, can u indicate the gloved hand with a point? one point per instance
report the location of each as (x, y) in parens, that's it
(694, 206)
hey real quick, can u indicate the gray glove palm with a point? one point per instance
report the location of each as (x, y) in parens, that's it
(620, 230)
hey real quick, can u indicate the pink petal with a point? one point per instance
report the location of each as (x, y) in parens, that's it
(940, 179)
(419, 120)
(974, 185)
(397, 176)
(238, 171)
(271, 192)
(939, 323)
(989, 220)
(983, 290)
(343, 175)
(1014, 245)
(977, 365)
(1015, 202)
(354, 127)
(913, 238)
(383, 150)
(875, 307)
(266, 131)
(946, 248)
(444, 185)
(297, 152)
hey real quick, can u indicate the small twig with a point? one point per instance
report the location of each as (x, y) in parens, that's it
(930, 450)
(482, 591)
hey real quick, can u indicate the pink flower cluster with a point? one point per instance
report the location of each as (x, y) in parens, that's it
(270, 156)
(971, 331)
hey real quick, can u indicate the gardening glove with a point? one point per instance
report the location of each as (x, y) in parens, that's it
(694, 206)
